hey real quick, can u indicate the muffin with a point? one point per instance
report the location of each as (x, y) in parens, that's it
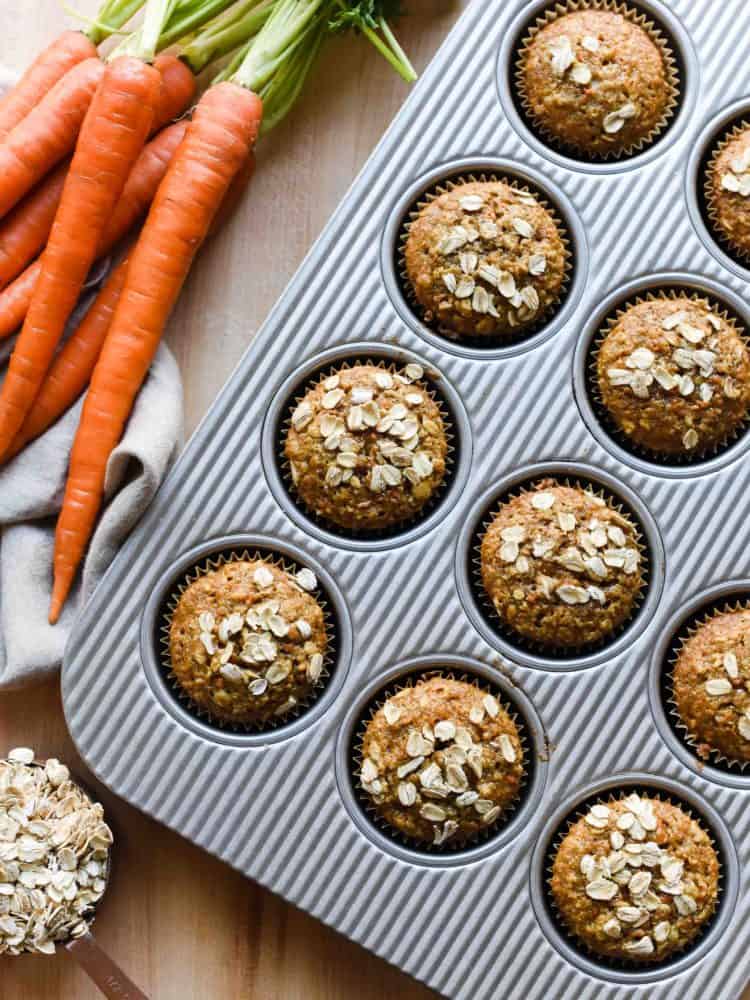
(711, 685)
(561, 566)
(596, 81)
(674, 376)
(484, 259)
(247, 641)
(728, 190)
(635, 879)
(441, 761)
(367, 449)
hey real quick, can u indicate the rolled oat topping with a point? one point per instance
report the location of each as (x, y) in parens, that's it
(367, 447)
(596, 81)
(712, 685)
(728, 189)
(441, 760)
(635, 878)
(248, 640)
(561, 566)
(485, 258)
(674, 374)
(54, 855)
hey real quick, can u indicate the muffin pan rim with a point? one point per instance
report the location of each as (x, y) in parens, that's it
(685, 52)
(579, 250)
(731, 878)
(652, 281)
(520, 819)
(715, 594)
(711, 130)
(295, 511)
(632, 632)
(167, 699)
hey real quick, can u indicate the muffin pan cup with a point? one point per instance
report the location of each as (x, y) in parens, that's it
(280, 806)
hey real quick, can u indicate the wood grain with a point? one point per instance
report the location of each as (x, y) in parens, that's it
(184, 926)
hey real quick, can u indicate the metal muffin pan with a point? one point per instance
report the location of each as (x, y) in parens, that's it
(281, 809)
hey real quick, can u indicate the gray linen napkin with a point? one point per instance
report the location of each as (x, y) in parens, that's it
(31, 491)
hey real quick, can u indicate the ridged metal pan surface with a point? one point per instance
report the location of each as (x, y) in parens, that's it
(282, 810)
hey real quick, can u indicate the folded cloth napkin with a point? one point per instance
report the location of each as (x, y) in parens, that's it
(31, 491)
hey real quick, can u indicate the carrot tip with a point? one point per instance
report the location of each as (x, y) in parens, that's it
(60, 591)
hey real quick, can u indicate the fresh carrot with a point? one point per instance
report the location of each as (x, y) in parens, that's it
(136, 197)
(112, 137)
(177, 90)
(51, 65)
(71, 370)
(14, 300)
(48, 133)
(218, 142)
(24, 231)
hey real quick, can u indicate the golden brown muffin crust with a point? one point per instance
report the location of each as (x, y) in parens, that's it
(561, 566)
(596, 81)
(485, 259)
(674, 375)
(441, 760)
(635, 879)
(712, 685)
(729, 191)
(367, 448)
(247, 640)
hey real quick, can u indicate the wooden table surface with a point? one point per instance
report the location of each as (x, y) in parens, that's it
(185, 926)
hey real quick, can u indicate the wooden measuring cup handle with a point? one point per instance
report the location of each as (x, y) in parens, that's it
(102, 970)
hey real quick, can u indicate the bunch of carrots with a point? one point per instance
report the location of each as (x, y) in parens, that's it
(89, 146)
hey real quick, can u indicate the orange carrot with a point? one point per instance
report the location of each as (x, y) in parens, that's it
(177, 90)
(71, 370)
(112, 137)
(14, 300)
(24, 231)
(217, 144)
(137, 195)
(71, 48)
(47, 134)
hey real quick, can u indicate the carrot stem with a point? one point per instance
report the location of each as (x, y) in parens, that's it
(226, 33)
(155, 18)
(113, 15)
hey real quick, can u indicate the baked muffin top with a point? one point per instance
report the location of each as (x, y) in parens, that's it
(728, 191)
(248, 640)
(561, 566)
(712, 685)
(635, 878)
(485, 259)
(367, 447)
(674, 375)
(596, 82)
(441, 761)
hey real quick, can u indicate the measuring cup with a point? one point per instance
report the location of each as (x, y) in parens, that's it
(86, 950)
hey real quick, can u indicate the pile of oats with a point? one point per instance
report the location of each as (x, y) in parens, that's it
(54, 855)
(468, 272)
